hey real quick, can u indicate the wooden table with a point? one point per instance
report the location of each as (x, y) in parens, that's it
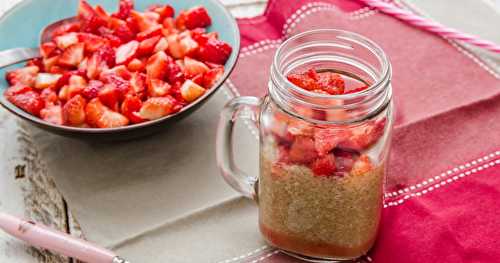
(26, 188)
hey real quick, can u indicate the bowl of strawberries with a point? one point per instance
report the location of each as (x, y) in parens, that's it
(116, 69)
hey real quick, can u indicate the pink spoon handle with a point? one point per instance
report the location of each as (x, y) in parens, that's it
(42, 236)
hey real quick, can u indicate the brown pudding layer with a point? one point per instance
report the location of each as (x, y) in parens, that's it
(326, 217)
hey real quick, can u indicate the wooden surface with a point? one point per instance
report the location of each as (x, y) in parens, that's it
(27, 190)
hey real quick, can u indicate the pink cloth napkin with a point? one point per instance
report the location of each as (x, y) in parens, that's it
(442, 188)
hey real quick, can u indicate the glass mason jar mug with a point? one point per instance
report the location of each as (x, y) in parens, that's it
(323, 157)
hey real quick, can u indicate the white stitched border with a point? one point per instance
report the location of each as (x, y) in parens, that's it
(442, 183)
(444, 175)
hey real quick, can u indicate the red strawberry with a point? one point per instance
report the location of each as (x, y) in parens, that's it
(63, 93)
(29, 101)
(326, 139)
(143, 21)
(215, 51)
(52, 114)
(119, 71)
(344, 160)
(136, 65)
(73, 55)
(180, 21)
(174, 73)
(92, 42)
(112, 119)
(157, 66)
(197, 17)
(152, 32)
(92, 89)
(130, 108)
(45, 80)
(38, 62)
(122, 30)
(66, 28)
(161, 45)
(107, 54)
(109, 95)
(49, 96)
(157, 107)
(50, 65)
(95, 65)
(64, 41)
(212, 76)
(158, 88)
(76, 85)
(302, 150)
(121, 84)
(16, 90)
(125, 53)
(64, 80)
(364, 136)
(147, 46)
(94, 111)
(193, 67)
(198, 79)
(356, 90)
(124, 9)
(331, 82)
(164, 11)
(74, 111)
(303, 81)
(181, 45)
(191, 91)
(102, 12)
(169, 26)
(362, 166)
(25, 76)
(324, 166)
(89, 19)
(138, 85)
(47, 49)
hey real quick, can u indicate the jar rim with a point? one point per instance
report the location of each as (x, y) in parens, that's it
(376, 49)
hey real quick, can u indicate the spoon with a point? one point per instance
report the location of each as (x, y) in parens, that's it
(16, 55)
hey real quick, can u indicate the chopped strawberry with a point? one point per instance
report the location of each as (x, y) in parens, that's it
(362, 166)
(364, 135)
(125, 53)
(38, 62)
(356, 90)
(102, 12)
(180, 45)
(76, 85)
(166, 11)
(107, 54)
(138, 85)
(174, 73)
(161, 45)
(64, 80)
(324, 166)
(67, 40)
(198, 79)
(29, 101)
(124, 9)
(344, 159)
(191, 91)
(157, 66)
(180, 21)
(302, 150)
(63, 93)
(152, 32)
(16, 90)
(169, 26)
(49, 96)
(73, 55)
(94, 111)
(158, 88)
(45, 80)
(136, 65)
(212, 76)
(122, 30)
(215, 51)
(131, 107)
(95, 65)
(193, 67)
(121, 84)
(74, 111)
(92, 89)
(109, 95)
(120, 71)
(52, 114)
(50, 65)
(303, 81)
(326, 139)
(47, 49)
(331, 82)
(66, 28)
(197, 17)
(147, 46)
(112, 119)
(25, 76)
(143, 21)
(89, 19)
(92, 42)
(157, 107)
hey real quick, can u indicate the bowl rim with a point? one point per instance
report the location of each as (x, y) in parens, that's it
(227, 71)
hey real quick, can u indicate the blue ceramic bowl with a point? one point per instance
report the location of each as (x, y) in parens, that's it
(21, 26)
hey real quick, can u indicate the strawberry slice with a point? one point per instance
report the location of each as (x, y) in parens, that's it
(344, 159)
(131, 107)
(67, 40)
(136, 65)
(157, 107)
(94, 111)
(122, 30)
(125, 53)
(73, 55)
(25, 98)
(181, 45)
(138, 85)
(89, 19)
(92, 42)
(52, 114)
(143, 21)
(166, 11)
(197, 17)
(191, 91)
(157, 66)
(362, 166)
(109, 95)
(215, 51)
(48, 49)
(112, 119)
(193, 67)
(124, 9)
(302, 150)
(331, 82)
(119, 71)
(25, 76)
(49, 96)
(147, 46)
(161, 45)
(326, 139)
(95, 65)
(152, 32)
(304, 81)
(76, 85)
(212, 76)
(174, 73)
(74, 111)
(158, 88)
(45, 80)
(364, 136)
(324, 166)
(92, 89)
(66, 28)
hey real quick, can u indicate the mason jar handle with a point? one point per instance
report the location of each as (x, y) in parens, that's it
(237, 108)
